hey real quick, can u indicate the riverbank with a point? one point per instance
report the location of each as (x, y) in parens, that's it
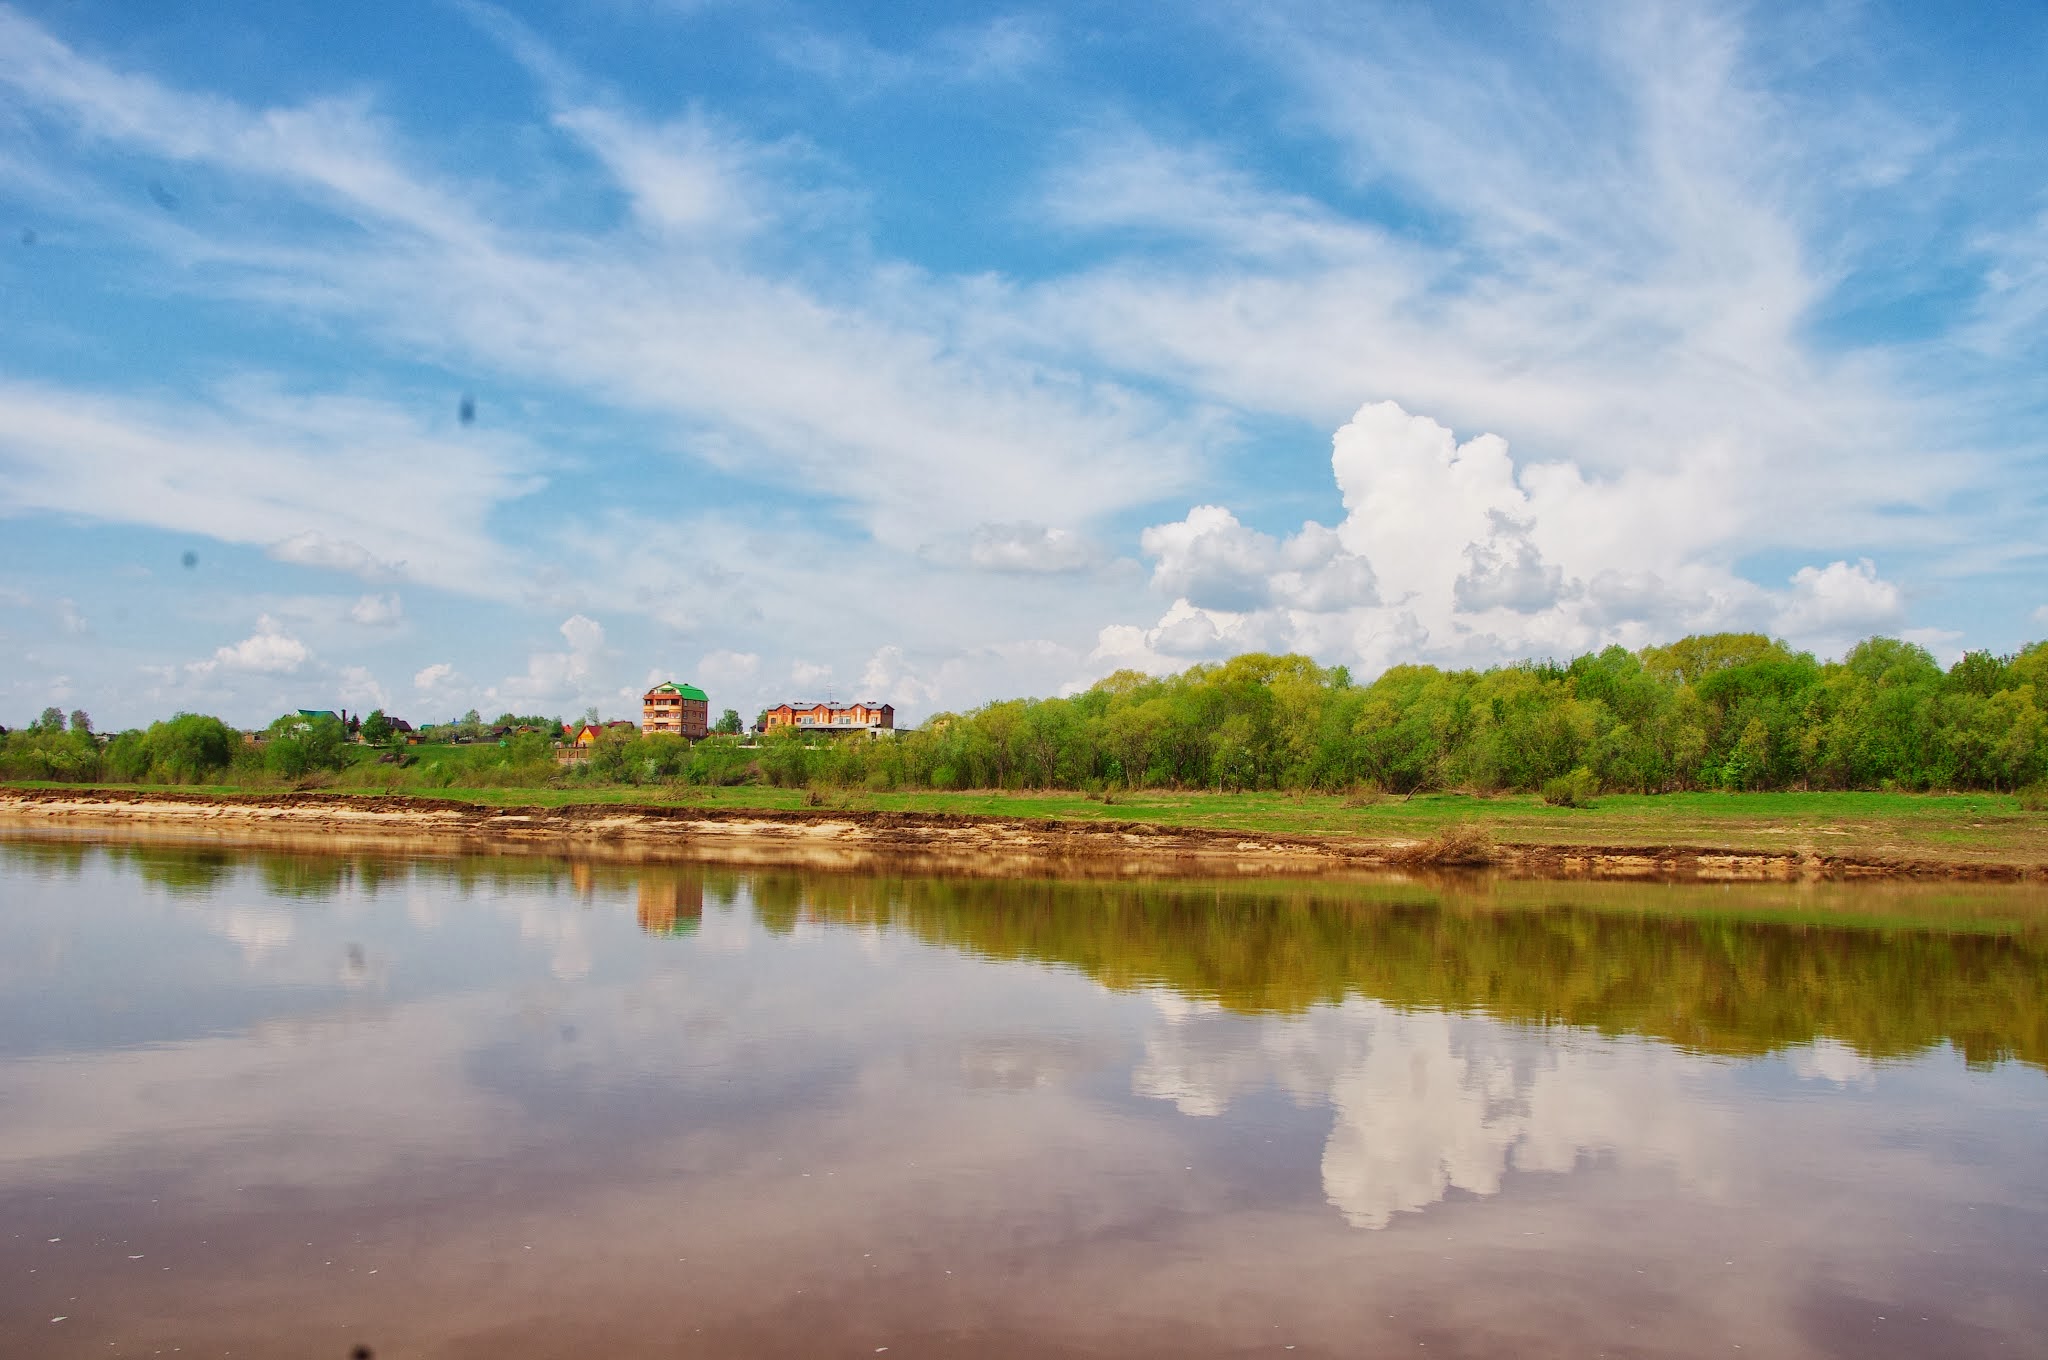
(1707, 838)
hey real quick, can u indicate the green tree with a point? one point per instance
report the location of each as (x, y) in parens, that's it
(729, 723)
(376, 728)
(299, 746)
(81, 721)
(190, 747)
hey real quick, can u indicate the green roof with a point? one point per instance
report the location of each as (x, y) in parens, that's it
(671, 687)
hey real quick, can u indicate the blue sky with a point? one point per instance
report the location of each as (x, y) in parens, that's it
(943, 353)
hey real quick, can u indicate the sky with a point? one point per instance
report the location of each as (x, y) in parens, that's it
(514, 357)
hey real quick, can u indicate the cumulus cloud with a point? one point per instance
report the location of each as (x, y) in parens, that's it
(1840, 599)
(889, 677)
(359, 689)
(584, 635)
(1026, 547)
(1215, 563)
(809, 674)
(314, 549)
(267, 651)
(558, 677)
(1506, 571)
(377, 611)
(433, 677)
(1450, 551)
(728, 667)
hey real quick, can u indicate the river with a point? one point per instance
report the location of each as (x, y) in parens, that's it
(266, 1103)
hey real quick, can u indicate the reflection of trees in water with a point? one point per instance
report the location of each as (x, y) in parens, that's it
(1735, 971)
(45, 858)
(180, 870)
(1697, 976)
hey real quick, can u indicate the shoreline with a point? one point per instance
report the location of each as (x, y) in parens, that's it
(970, 843)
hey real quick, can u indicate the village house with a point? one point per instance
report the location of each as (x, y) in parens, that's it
(680, 709)
(871, 718)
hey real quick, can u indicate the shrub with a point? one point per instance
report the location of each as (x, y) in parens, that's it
(189, 747)
(1572, 790)
(1460, 845)
(2034, 797)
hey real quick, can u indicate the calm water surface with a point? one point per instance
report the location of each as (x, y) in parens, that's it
(284, 1105)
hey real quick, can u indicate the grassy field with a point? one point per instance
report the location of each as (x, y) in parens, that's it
(1955, 828)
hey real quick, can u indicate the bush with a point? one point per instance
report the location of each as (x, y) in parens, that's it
(1572, 790)
(1461, 845)
(2034, 797)
(300, 747)
(190, 747)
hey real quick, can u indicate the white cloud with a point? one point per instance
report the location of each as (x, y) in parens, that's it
(565, 678)
(584, 635)
(1215, 563)
(359, 689)
(1506, 571)
(434, 677)
(683, 177)
(251, 464)
(378, 611)
(728, 667)
(894, 396)
(1028, 547)
(267, 651)
(1452, 552)
(1003, 48)
(315, 549)
(70, 620)
(1840, 600)
(889, 677)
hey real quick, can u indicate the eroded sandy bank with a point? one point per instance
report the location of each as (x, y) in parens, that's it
(842, 838)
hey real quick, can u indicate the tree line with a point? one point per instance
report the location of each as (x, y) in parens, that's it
(1706, 971)
(1718, 711)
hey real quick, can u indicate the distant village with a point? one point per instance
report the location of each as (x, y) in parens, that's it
(672, 708)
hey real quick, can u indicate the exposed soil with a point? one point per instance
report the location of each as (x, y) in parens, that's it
(943, 842)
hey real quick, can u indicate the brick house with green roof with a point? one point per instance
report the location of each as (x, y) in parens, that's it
(671, 707)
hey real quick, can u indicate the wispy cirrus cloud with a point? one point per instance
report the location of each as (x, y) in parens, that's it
(305, 477)
(869, 392)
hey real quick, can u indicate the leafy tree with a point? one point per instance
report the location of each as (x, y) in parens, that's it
(299, 746)
(190, 747)
(729, 723)
(81, 721)
(51, 720)
(376, 728)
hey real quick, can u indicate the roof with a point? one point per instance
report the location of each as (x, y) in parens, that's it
(801, 705)
(671, 687)
(319, 713)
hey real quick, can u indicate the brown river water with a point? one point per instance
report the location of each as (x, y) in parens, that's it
(284, 1104)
